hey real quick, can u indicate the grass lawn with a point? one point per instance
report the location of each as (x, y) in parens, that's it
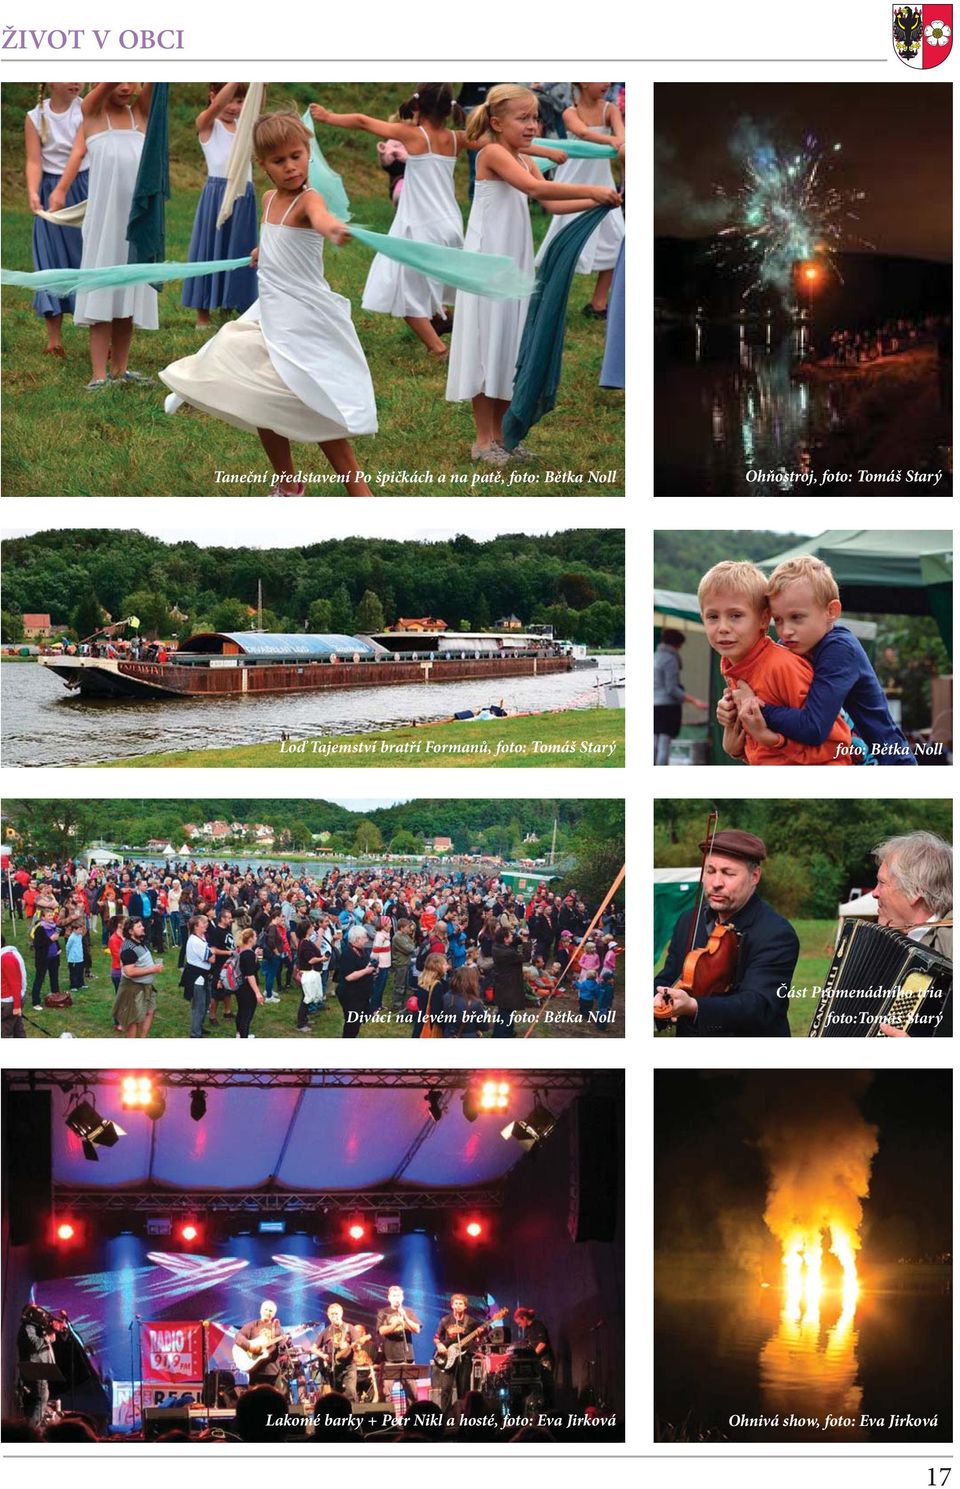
(90, 1016)
(816, 954)
(587, 737)
(59, 440)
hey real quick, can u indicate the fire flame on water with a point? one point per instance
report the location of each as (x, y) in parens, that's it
(803, 1271)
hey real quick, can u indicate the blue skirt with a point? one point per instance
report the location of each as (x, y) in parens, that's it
(57, 247)
(612, 371)
(238, 289)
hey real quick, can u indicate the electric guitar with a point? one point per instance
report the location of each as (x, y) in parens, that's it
(447, 1357)
(257, 1350)
(345, 1351)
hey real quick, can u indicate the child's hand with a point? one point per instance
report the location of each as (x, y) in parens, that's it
(607, 196)
(34, 201)
(559, 157)
(751, 718)
(318, 113)
(743, 690)
(255, 257)
(338, 232)
(726, 710)
(57, 201)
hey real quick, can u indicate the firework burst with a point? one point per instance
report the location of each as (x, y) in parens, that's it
(786, 211)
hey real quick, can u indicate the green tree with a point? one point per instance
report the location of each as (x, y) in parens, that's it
(300, 835)
(150, 608)
(341, 611)
(404, 842)
(11, 627)
(368, 837)
(87, 617)
(230, 615)
(369, 614)
(319, 617)
(55, 829)
(481, 612)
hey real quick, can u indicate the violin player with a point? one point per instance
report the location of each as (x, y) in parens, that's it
(759, 948)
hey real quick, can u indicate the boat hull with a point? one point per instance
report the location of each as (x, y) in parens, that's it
(96, 678)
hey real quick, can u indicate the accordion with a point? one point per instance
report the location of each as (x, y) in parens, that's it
(879, 976)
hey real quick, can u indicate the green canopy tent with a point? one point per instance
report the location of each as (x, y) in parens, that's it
(897, 573)
(674, 891)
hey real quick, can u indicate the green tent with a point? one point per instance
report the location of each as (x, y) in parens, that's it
(674, 890)
(896, 573)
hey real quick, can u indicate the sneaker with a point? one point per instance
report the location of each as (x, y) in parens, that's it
(521, 452)
(492, 454)
(594, 315)
(272, 999)
(97, 382)
(134, 377)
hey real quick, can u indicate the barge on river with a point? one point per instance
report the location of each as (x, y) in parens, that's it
(221, 664)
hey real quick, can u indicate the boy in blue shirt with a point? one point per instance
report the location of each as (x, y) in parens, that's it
(805, 606)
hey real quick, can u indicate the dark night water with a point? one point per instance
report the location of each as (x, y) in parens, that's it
(726, 403)
(732, 1351)
(43, 724)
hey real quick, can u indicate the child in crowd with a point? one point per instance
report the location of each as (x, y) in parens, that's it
(736, 617)
(237, 289)
(50, 131)
(487, 333)
(114, 129)
(292, 368)
(805, 606)
(75, 960)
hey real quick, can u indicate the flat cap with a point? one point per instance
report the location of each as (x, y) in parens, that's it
(735, 844)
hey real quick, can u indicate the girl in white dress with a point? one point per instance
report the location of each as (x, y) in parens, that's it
(428, 209)
(291, 368)
(487, 333)
(593, 118)
(114, 123)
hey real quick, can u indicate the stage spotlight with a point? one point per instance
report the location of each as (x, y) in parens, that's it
(474, 1229)
(356, 1231)
(486, 1097)
(538, 1124)
(189, 1232)
(65, 1231)
(434, 1100)
(136, 1092)
(198, 1104)
(93, 1130)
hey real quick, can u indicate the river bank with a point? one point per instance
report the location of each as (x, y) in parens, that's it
(581, 737)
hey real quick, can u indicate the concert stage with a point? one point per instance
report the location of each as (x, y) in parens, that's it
(199, 1230)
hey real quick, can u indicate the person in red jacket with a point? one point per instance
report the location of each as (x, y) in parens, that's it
(13, 985)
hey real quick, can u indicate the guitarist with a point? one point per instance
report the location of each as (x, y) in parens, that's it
(454, 1384)
(260, 1338)
(336, 1347)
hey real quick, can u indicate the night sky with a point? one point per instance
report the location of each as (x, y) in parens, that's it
(896, 140)
(707, 1163)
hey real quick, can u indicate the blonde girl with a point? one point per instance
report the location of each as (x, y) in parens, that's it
(593, 119)
(486, 333)
(114, 127)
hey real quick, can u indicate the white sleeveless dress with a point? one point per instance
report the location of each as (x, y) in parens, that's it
(428, 211)
(292, 362)
(602, 248)
(114, 157)
(486, 333)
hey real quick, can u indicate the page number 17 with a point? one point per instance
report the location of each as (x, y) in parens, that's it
(938, 1477)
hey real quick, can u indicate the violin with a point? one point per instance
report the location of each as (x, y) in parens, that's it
(709, 971)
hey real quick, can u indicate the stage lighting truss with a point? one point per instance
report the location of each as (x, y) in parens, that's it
(371, 1080)
(302, 1204)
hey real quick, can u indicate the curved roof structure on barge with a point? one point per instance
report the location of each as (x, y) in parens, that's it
(274, 646)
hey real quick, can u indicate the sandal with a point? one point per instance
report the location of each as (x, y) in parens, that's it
(279, 488)
(492, 454)
(135, 377)
(54, 351)
(97, 382)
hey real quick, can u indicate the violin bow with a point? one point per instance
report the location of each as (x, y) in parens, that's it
(712, 824)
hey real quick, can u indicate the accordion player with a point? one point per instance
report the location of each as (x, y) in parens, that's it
(881, 976)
